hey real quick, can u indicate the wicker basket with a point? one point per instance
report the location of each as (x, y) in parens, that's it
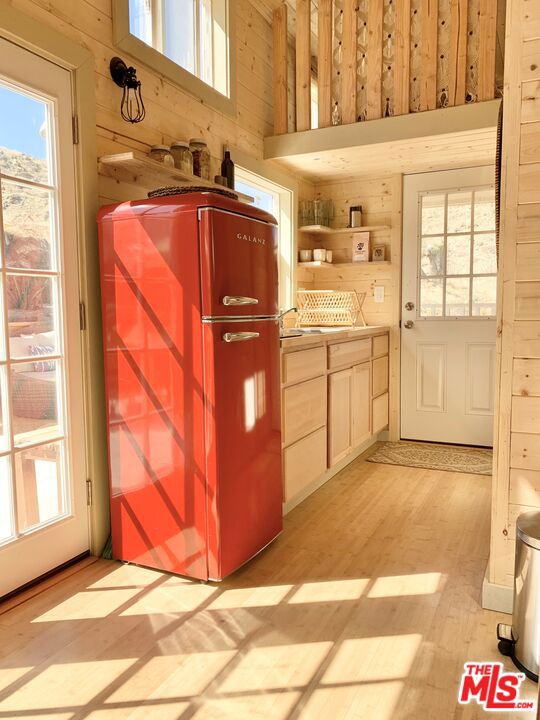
(329, 307)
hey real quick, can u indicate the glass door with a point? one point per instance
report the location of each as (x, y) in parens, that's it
(43, 514)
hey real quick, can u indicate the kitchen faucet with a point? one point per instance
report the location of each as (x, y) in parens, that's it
(282, 315)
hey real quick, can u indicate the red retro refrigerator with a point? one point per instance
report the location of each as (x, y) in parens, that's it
(191, 343)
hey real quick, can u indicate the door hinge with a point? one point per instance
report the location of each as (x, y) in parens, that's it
(75, 126)
(82, 316)
(89, 492)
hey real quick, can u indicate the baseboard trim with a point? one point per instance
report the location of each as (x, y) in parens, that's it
(497, 597)
(328, 475)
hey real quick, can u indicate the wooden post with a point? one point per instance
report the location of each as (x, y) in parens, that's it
(374, 59)
(428, 73)
(403, 57)
(457, 60)
(324, 65)
(487, 37)
(280, 69)
(303, 65)
(349, 66)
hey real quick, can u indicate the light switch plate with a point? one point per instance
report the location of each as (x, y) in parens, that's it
(379, 293)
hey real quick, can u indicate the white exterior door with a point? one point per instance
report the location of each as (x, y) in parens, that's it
(43, 511)
(448, 307)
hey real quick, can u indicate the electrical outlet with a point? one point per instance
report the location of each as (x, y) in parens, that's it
(378, 293)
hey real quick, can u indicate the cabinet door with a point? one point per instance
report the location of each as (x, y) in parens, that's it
(380, 375)
(304, 409)
(380, 413)
(339, 415)
(360, 404)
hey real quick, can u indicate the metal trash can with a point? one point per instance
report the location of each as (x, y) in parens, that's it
(521, 641)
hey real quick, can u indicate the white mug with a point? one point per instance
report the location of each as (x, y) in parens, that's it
(319, 254)
(306, 255)
(329, 256)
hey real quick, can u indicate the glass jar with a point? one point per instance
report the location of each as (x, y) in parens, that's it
(201, 158)
(162, 154)
(183, 159)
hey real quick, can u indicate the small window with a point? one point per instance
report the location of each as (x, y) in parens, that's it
(187, 40)
(458, 261)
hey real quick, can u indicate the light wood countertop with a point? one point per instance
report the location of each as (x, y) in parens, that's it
(299, 341)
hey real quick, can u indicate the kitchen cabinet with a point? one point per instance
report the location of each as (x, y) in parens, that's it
(334, 402)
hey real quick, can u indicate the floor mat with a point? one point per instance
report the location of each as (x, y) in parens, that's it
(452, 458)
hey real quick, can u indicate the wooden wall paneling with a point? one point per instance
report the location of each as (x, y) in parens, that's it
(526, 377)
(526, 338)
(526, 414)
(303, 65)
(530, 101)
(525, 451)
(428, 72)
(457, 58)
(528, 223)
(374, 59)
(530, 62)
(487, 37)
(280, 69)
(528, 261)
(529, 183)
(348, 64)
(530, 17)
(527, 301)
(324, 63)
(524, 487)
(402, 61)
(530, 143)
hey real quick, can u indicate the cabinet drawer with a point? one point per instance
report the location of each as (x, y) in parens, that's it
(349, 353)
(303, 364)
(380, 413)
(304, 409)
(380, 345)
(380, 375)
(304, 462)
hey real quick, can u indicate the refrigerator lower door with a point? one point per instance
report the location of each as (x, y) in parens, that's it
(243, 441)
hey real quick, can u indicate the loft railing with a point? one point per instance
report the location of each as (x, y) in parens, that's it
(375, 58)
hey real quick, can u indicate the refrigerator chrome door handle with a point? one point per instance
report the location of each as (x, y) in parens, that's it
(239, 300)
(239, 336)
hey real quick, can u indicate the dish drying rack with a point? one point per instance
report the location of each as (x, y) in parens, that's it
(329, 308)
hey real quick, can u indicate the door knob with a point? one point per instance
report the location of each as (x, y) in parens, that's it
(409, 306)
(408, 324)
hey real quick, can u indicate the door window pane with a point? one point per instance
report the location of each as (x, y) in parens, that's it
(27, 214)
(24, 130)
(484, 296)
(484, 209)
(432, 259)
(485, 254)
(34, 398)
(4, 419)
(459, 212)
(458, 252)
(433, 214)
(39, 482)
(6, 517)
(32, 316)
(457, 297)
(431, 297)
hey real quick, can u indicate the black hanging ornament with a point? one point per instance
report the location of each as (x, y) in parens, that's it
(131, 107)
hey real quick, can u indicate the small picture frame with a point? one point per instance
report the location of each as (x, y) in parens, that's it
(379, 253)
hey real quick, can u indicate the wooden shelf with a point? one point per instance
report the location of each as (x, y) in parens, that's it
(324, 230)
(320, 263)
(136, 167)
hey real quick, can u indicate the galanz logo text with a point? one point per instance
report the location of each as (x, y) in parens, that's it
(251, 238)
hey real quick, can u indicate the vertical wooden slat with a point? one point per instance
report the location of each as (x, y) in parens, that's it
(487, 35)
(280, 69)
(428, 73)
(324, 63)
(303, 65)
(402, 35)
(457, 54)
(348, 65)
(374, 59)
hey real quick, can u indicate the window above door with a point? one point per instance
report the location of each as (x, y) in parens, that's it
(188, 41)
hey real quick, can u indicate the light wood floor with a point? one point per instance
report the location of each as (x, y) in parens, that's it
(366, 607)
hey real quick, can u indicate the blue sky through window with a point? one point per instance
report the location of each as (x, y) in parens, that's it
(21, 119)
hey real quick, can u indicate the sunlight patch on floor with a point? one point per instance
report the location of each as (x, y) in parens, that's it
(264, 596)
(329, 591)
(372, 701)
(372, 659)
(85, 605)
(400, 585)
(171, 598)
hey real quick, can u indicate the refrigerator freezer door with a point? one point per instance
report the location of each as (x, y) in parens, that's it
(243, 435)
(238, 265)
